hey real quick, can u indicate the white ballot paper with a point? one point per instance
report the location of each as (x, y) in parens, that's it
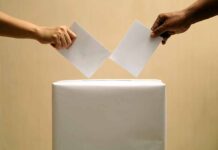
(135, 49)
(108, 115)
(86, 53)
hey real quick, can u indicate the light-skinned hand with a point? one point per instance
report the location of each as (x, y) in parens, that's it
(59, 37)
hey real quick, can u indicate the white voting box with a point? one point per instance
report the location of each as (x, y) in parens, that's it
(109, 115)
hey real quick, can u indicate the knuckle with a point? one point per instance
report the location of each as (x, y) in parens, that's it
(63, 28)
(59, 30)
(162, 15)
(55, 37)
(157, 31)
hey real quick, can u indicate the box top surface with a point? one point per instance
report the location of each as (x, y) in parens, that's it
(110, 82)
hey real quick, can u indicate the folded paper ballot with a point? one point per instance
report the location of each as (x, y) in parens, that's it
(108, 115)
(135, 49)
(86, 53)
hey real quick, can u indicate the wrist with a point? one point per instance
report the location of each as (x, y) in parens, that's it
(36, 33)
(189, 15)
(200, 10)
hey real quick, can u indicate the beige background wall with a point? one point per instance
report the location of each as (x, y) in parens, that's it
(187, 64)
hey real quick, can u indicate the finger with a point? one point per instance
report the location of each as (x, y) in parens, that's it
(72, 35)
(159, 21)
(53, 45)
(68, 39)
(165, 36)
(156, 23)
(57, 43)
(165, 40)
(63, 41)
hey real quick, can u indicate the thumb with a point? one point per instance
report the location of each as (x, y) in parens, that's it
(159, 30)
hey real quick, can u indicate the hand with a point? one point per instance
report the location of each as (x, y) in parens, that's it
(58, 37)
(168, 24)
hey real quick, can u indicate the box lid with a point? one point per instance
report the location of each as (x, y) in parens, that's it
(110, 82)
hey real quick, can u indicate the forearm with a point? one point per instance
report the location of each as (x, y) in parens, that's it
(201, 10)
(12, 27)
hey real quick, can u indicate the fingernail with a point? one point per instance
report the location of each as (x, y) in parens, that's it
(152, 34)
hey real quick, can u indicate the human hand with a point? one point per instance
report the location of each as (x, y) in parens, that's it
(58, 37)
(168, 24)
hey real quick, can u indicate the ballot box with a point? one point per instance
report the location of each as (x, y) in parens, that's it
(109, 115)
